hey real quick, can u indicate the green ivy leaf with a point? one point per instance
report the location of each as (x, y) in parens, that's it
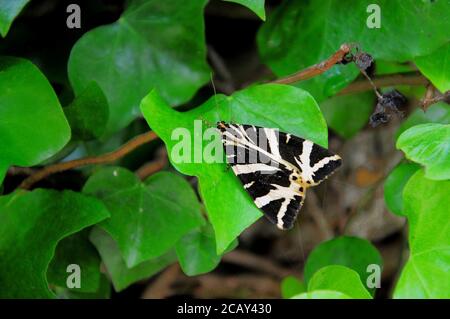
(9, 10)
(76, 249)
(394, 184)
(103, 291)
(230, 208)
(436, 67)
(121, 275)
(153, 44)
(425, 275)
(257, 6)
(291, 286)
(32, 123)
(288, 40)
(88, 113)
(196, 251)
(322, 294)
(339, 278)
(348, 114)
(32, 225)
(352, 252)
(383, 67)
(429, 145)
(436, 113)
(147, 219)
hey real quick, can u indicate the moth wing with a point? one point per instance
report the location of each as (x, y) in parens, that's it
(314, 162)
(275, 168)
(268, 179)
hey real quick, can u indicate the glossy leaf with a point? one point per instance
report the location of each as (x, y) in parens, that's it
(9, 10)
(75, 250)
(388, 67)
(257, 6)
(339, 278)
(32, 225)
(436, 67)
(352, 252)
(291, 286)
(394, 184)
(121, 275)
(230, 209)
(425, 274)
(88, 113)
(153, 44)
(196, 251)
(436, 113)
(429, 145)
(322, 294)
(347, 114)
(285, 39)
(32, 123)
(147, 219)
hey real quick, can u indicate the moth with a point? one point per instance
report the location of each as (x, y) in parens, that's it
(275, 168)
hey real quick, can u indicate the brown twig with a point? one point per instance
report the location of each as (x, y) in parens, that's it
(318, 68)
(248, 260)
(16, 170)
(152, 167)
(410, 78)
(102, 159)
(161, 287)
(432, 96)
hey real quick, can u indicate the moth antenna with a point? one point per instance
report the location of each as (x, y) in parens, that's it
(206, 122)
(215, 98)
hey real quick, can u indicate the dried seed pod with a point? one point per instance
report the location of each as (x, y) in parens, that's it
(363, 60)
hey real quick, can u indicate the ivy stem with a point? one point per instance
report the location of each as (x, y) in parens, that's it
(101, 159)
(409, 78)
(318, 68)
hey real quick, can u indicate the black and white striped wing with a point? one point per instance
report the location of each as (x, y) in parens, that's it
(275, 168)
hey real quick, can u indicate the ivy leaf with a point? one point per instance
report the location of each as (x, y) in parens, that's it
(147, 219)
(291, 286)
(76, 249)
(394, 184)
(88, 113)
(322, 294)
(9, 10)
(32, 225)
(121, 275)
(153, 44)
(257, 6)
(285, 40)
(339, 278)
(196, 251)
(389, 67)
(429, 145)
(348, 114)
(352, 252)
(32, 123)
(436, 113)
(436, 67)
(103, 291)
(230, 208)
(425, 275)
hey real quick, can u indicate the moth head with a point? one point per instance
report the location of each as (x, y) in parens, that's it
(222, 126)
